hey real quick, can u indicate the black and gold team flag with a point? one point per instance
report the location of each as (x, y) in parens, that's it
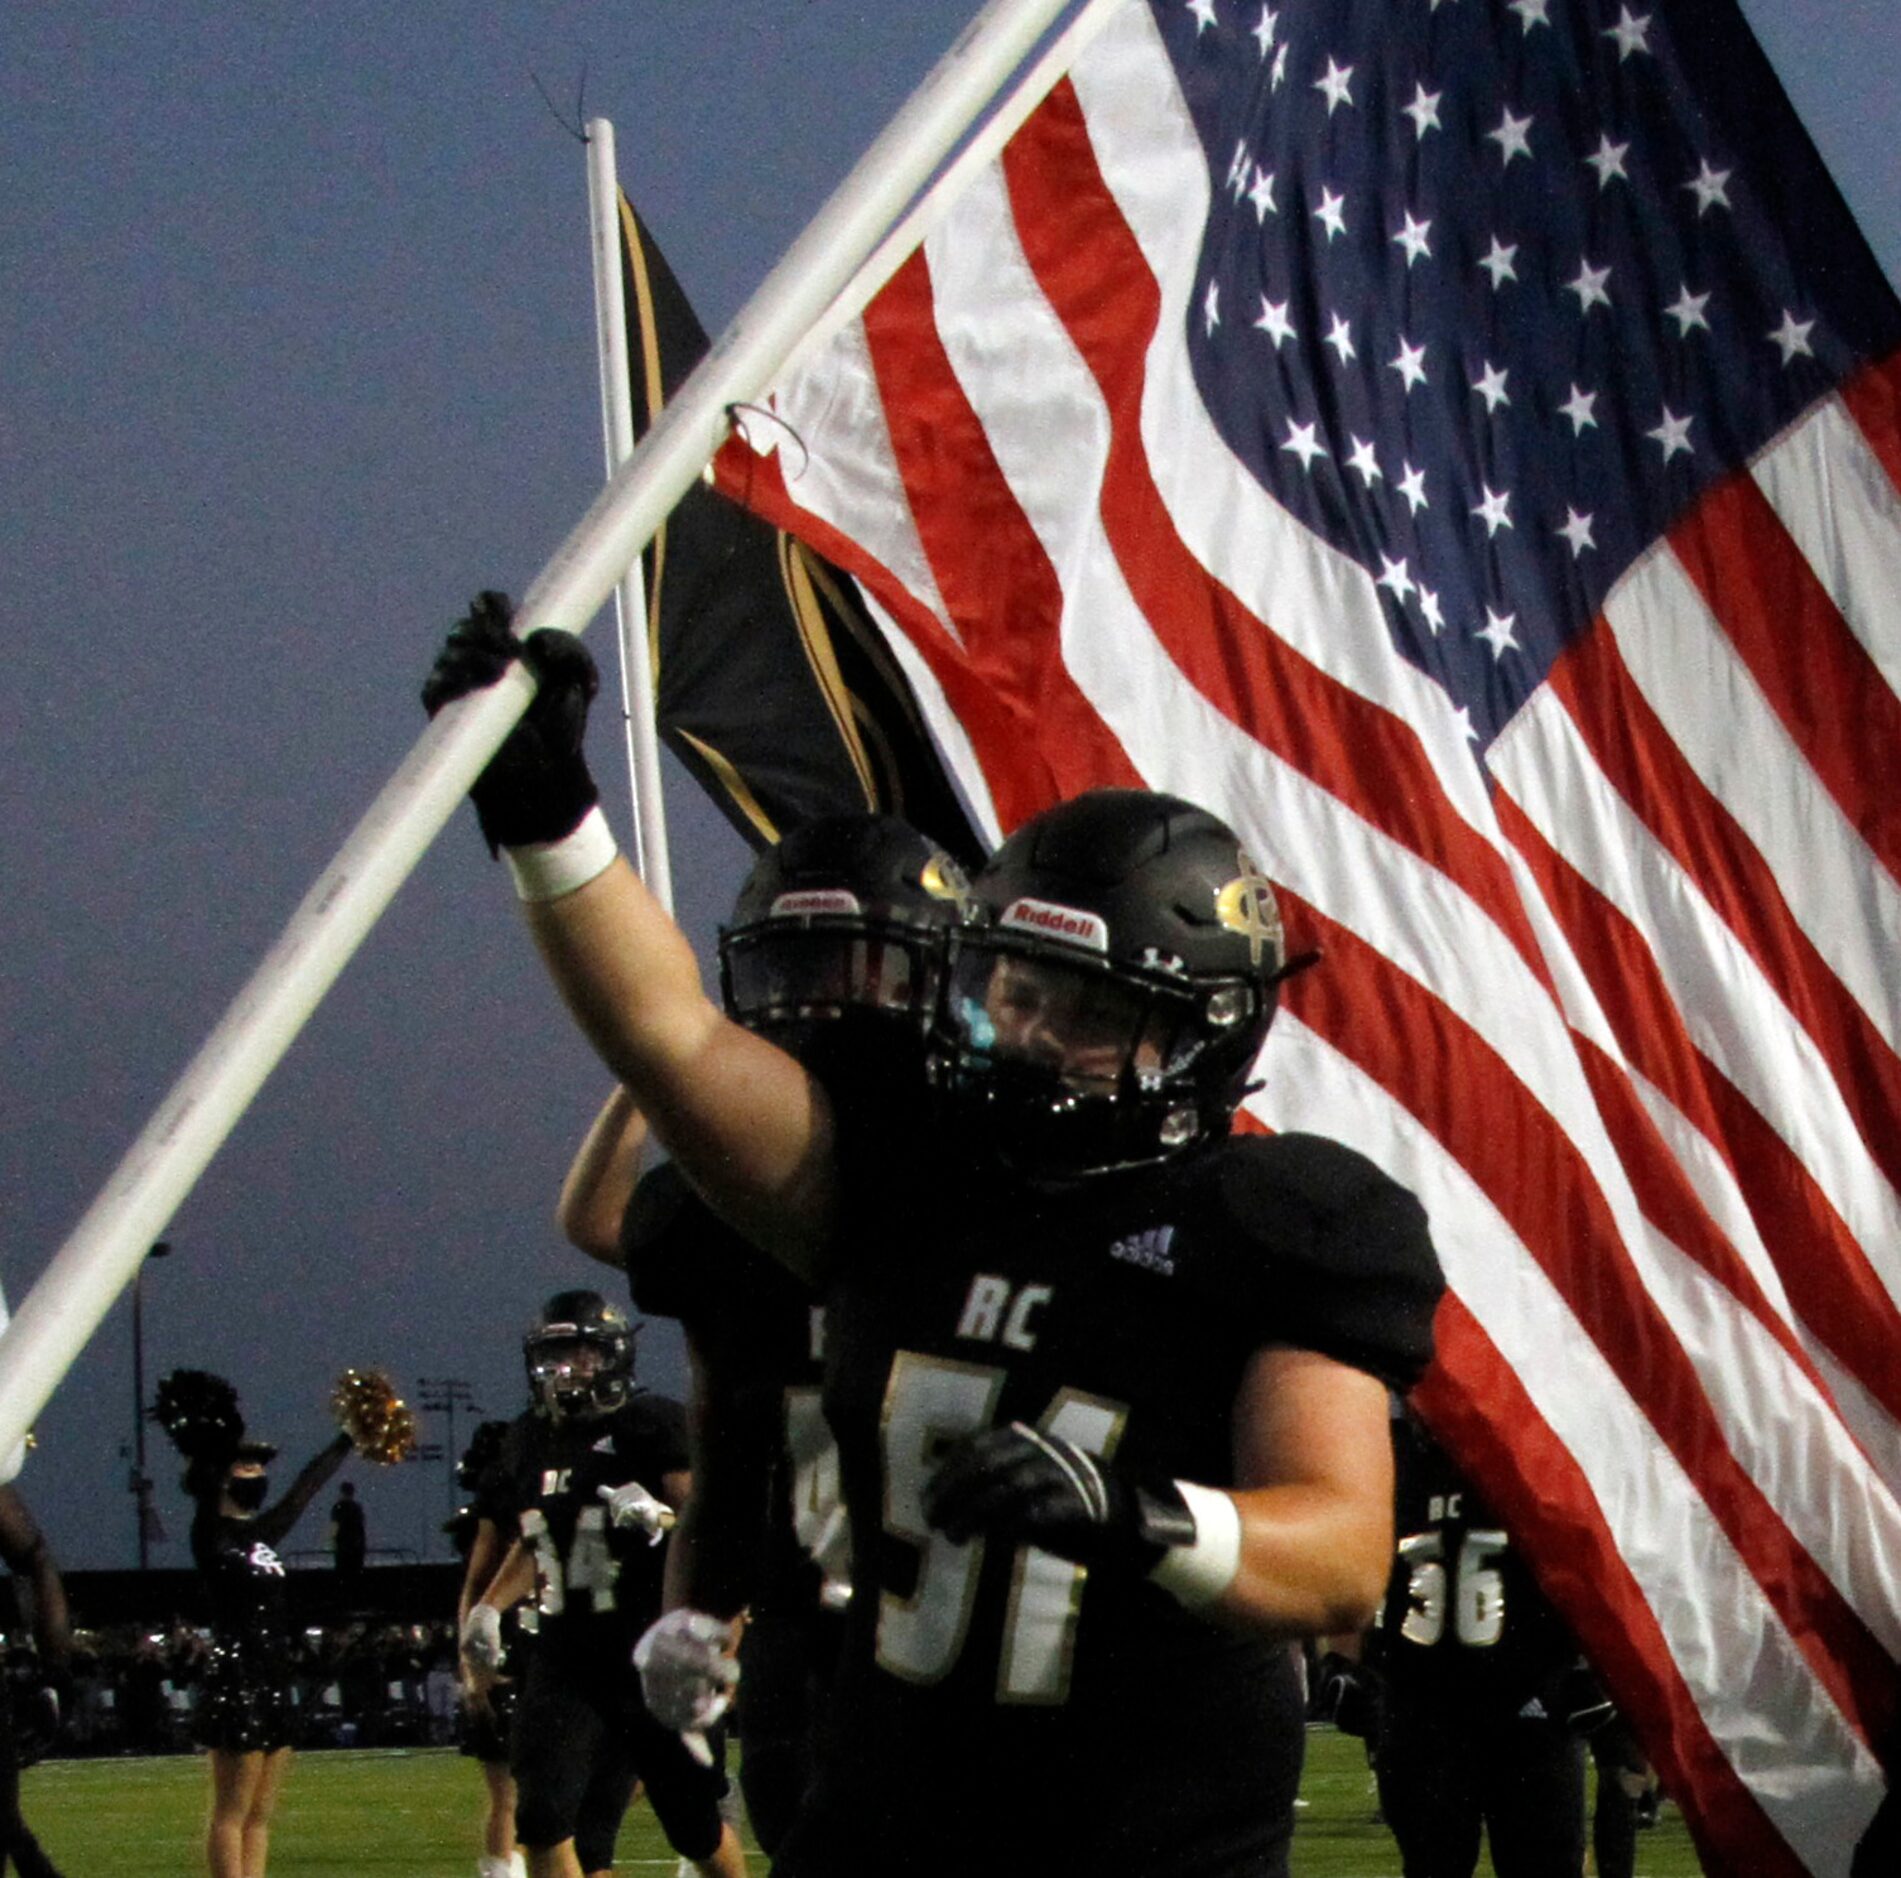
(772, 684)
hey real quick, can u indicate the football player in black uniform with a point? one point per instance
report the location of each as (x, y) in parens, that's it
(834, 950)
(571, 1482)
(1478, 1676)
(24, 1551)
(487, 1701)
(1109, 1388)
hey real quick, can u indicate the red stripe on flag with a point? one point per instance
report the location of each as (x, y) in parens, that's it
(1672, 1205)
(1823, 1269)
(1097, 280)
(1814, 673)
(1019, 780)
(1548, 1194)
(995, 578)
(1476, 1404)
(1636, 753)
(1873, 398)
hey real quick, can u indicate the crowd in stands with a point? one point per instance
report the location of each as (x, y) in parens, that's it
(360, 1683)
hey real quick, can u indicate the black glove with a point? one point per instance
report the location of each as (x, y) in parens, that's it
(1581, 1702)
(536, 787)
(1041, 1490)
(1346, 1694)
(38, 1711)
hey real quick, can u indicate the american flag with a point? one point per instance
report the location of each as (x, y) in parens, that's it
(1458, 440)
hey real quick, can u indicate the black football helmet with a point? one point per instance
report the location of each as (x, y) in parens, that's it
(579, 1355)
(843, 918)
(1105, 1008)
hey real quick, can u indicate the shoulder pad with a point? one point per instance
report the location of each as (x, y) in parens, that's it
(1345, 1263)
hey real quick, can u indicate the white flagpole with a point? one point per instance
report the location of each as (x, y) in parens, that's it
(630, 597)
(99, 1258)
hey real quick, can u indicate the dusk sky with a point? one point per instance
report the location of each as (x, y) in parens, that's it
(297, 352)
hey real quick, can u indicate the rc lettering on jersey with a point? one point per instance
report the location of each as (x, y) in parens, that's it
(263, 1559)
(555, 1480)
(995, 1311)
(1444, 1506)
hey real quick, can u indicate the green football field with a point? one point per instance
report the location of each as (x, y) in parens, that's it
(416, 1814)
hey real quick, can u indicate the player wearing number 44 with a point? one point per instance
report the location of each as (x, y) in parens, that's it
(1109, 1388)
(570, 1481)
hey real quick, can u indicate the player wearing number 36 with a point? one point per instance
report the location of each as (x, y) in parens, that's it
(1109, 1386)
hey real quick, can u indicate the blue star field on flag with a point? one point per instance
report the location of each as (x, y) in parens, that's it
(1492, 291)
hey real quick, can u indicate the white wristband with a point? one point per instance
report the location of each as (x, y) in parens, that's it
(545, 870)
(1196, 1574)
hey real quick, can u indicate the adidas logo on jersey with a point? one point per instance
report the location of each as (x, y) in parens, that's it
(1149, 1249)
(1534, 1710)
(605, 1445)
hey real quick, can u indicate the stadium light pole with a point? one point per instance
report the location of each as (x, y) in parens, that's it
(141, 1482)
(437, 1395)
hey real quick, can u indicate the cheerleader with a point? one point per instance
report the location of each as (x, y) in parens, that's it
(245, 1715)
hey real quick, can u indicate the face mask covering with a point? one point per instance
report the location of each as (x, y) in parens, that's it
(248, 1491)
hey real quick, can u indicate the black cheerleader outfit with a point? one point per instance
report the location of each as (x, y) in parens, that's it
(246, 1702)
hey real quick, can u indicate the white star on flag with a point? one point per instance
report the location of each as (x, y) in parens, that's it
(1494, 511)
(1490, 385)
(1413, 239)
(1498, 632)
(1687, 311)
(1673, 433)
(1424, 110)
(1792, 336)
(1632, 33)
(1581, 409)
(1336, 85)
(1273, 321)
(1499, 261)
(1302, 442)
(1513, 137)
(1590, 286)
(1608, 161)
(1710, 187)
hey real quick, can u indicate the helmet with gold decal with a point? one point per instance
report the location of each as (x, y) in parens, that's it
(1106, 1008)
(844, 917)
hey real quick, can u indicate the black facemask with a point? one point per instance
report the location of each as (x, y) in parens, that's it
(248, 1491)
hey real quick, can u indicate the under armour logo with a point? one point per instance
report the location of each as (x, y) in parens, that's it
(1246, 905)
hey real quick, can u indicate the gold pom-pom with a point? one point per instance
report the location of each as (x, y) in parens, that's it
(380, 1424)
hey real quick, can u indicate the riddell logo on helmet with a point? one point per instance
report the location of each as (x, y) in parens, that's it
(1058, 922)
(808, 900)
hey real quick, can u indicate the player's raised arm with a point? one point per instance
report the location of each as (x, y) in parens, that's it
(748, 1125)
(600, 1180)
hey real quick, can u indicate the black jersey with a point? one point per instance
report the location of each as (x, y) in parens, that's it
(597, 1585)
(245, 1588)
(1000, 1701)
(1465, 1630)
(764, 1331)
